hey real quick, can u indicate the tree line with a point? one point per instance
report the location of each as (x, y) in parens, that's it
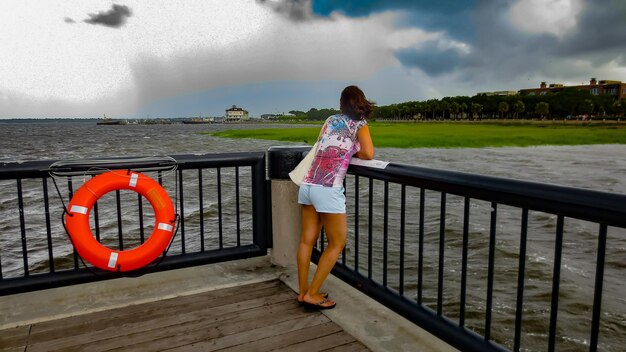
(568, 103)
(312, 114)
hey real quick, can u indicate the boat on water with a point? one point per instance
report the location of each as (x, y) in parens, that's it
(109, 121)
(199, 120)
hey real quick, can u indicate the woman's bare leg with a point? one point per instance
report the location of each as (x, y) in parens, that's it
(336, 228)
(311, 227)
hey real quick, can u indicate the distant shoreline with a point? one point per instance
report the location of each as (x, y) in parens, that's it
(191, 120)
(129, 121)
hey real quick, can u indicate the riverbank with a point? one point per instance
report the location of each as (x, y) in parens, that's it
(458, 134)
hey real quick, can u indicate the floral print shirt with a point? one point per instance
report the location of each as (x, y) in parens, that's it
(337, 144)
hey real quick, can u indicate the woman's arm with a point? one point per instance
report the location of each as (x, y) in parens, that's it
(365, 140)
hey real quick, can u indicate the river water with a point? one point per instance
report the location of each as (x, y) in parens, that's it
(600, 167)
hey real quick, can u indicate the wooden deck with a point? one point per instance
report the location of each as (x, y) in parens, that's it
(258, 317)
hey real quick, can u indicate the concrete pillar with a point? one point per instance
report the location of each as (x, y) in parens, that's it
(286, 213)
(286, 222)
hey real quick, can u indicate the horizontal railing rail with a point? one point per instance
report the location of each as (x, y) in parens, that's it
(572, 202)
(452, 252)
(220, 200)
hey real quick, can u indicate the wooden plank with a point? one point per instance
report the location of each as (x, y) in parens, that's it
(355, 346)
(198, 333)
(14, 337)
(163, 307)
(12, 349)
(322, 343)
(184, 334)
(212, 315)
(199, 308)
(307, 321)
(142, 321)
(287, 339)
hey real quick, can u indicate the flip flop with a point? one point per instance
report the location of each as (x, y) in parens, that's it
(323, 294)
(318, 305)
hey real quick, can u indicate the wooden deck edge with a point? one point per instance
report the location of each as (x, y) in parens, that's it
(33, 307)
(373, 324)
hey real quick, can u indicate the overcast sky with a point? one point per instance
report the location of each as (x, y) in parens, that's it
(86, 58)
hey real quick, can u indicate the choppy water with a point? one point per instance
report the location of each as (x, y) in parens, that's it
(594, 167)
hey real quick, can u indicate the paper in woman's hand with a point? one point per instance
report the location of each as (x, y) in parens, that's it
(377, 164)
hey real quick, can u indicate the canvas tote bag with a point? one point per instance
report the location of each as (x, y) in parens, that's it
(298, 173)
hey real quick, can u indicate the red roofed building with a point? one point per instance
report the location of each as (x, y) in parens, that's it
(595, 87)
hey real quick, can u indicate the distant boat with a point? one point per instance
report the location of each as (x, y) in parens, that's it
(198, 120)
(108, 121)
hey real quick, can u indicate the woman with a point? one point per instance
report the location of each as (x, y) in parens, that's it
(322, 194)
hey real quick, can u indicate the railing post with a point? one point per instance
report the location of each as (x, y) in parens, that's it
(286, 216)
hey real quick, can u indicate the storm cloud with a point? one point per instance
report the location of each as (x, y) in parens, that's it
(601, 29)
(453, 17)
(498, 49)
(114, 17)
(296, 10)
(430, 58)
(597, 37)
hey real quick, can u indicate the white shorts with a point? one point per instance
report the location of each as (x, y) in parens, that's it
(324, 199)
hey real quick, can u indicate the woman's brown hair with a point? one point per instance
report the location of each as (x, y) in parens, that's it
(354, 104)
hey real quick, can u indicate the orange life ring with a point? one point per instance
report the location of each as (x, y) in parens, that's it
(77, 221)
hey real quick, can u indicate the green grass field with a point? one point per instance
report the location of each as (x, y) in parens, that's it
(458, 135)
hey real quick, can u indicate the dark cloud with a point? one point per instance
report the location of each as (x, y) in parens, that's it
(115, 17)
(68, 20)
(449, 15)
(498, 51)
(430, 58)
(501, 51)
(296, 10)
(600, 29)
(457, 25)
(453, 16)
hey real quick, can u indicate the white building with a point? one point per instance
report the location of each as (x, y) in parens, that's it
(236, 114)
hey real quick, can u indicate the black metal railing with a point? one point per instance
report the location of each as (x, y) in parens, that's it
(485, 263)
(221, 200)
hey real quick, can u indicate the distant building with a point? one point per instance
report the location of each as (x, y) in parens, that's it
(616, 89)
(269, 116)
(501, 93)
(236, 114)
